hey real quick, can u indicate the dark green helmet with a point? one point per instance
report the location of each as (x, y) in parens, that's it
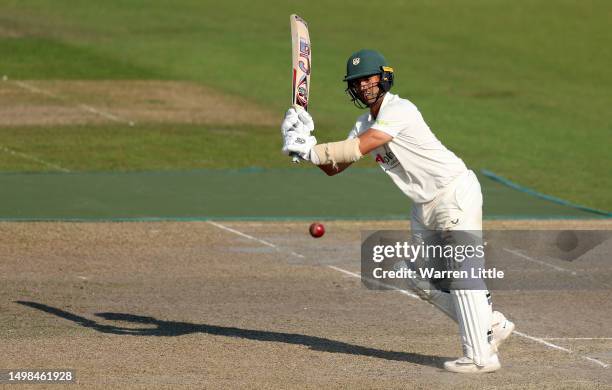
(364, 63)
(367, 63)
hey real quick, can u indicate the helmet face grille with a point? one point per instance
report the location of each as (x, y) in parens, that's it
(353, 93)
(354, 89)
(367, 63)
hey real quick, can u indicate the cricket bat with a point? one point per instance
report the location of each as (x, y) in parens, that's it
(301, 56)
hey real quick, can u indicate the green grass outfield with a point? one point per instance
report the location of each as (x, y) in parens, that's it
(265, 194)
(521, 88)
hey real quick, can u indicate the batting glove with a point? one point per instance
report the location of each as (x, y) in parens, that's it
(298, 142)
(297, 118)
(291, 121)
(306, 119)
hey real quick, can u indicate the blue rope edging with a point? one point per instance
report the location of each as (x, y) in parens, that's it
(518, 187)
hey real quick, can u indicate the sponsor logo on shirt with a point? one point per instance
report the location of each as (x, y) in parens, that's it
(387, 159)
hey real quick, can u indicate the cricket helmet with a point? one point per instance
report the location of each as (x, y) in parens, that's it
(364, 63)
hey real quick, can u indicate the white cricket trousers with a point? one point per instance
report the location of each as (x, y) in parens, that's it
(458, 207)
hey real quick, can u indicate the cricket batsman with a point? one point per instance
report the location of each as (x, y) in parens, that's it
(446, 194)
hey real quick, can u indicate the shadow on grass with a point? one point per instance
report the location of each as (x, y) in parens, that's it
(173, 328)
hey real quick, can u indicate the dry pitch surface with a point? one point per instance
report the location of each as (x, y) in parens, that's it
(261, 305)
(61, 102)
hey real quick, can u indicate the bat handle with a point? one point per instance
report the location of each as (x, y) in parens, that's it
(296, 158)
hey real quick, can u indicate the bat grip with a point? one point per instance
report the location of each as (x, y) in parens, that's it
(296, 158)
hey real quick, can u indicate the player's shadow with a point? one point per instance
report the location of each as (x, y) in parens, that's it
(174, 328)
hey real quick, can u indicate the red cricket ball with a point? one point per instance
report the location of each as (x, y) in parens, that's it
(317, 229)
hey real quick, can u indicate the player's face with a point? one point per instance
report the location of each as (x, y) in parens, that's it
(367, 88)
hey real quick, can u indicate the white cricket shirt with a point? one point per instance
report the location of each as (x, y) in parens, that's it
(415, 159)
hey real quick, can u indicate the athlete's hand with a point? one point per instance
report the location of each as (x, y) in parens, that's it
(297, 118)
(299, 142)
(290, 122)
(306, 119)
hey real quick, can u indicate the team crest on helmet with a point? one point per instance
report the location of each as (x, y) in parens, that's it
(356, 61)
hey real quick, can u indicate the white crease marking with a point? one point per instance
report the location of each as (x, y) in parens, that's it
(523, 256)
(353, 274)
(538, 340)
(604, 365)
(33, 158)
(229, 229)
(356, 275)
(576, 338)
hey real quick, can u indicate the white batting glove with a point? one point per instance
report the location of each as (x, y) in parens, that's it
(306, 119)
(298, 142)
(295, 116)
(290, 122)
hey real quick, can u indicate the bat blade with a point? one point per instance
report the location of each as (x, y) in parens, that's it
(301, 57)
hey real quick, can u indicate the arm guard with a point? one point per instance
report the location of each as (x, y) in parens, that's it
(346, 151)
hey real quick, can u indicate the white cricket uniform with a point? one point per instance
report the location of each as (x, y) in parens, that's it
(446, 196)
(421, 166)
